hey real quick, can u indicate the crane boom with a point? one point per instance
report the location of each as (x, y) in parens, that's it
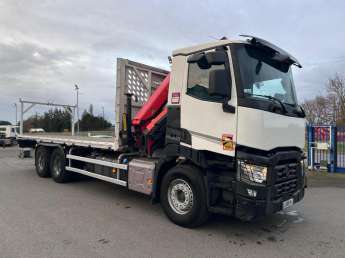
(153, 106)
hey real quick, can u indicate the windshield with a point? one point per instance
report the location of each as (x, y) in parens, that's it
(2, 129)
(261, 76)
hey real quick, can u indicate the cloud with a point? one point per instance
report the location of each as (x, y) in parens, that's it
(312, 79)
(48, 46)
(29, 70)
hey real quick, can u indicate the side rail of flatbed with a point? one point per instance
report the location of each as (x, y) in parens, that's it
(68, 140)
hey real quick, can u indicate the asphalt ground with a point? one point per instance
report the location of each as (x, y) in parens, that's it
(91, 218)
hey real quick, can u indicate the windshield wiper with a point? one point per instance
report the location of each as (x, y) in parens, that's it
(273, 98)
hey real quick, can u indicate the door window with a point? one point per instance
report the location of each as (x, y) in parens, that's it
(198, 82)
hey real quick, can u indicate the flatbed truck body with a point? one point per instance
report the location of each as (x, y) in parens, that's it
(221, 133)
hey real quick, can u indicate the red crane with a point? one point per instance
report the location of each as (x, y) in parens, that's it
(150, 114)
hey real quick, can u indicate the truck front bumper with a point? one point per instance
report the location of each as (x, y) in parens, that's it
(285, 181)
(247, 209)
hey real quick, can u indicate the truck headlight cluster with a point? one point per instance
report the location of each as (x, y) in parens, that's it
(251, 172)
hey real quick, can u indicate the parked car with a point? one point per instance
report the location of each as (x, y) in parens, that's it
(36, 130)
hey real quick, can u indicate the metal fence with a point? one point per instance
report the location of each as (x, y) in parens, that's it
(326, 147)
(340, 148)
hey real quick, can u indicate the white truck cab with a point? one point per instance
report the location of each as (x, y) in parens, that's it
(8, 134)
(258, 110)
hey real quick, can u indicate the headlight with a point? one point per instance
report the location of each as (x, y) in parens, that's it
(251, 172)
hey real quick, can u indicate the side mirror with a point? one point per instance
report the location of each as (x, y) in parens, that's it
(219, 83)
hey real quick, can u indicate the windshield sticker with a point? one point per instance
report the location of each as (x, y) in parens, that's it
(228, 142)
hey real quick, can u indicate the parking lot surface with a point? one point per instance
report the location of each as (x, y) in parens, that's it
(90, 218)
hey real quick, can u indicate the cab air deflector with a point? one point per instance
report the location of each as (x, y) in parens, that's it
(256, 41)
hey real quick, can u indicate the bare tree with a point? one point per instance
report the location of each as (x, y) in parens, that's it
(318, 110)
(336, 92)
(308, 107)
(329, 109)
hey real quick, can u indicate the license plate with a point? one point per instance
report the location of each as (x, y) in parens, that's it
(287, 203)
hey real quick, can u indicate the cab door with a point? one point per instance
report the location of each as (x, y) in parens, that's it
(209, 118)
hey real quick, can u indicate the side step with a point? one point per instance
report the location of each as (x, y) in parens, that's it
(97, 162)
(90, 174)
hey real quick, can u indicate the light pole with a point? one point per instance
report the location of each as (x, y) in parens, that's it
(16, 108)
(77, 90)
(103, 116)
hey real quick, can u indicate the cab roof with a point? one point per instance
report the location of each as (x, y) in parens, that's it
(279, 54)
(205, 46)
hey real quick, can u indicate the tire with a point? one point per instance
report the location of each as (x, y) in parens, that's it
(42, 161)
(57, 167)
(183, 196)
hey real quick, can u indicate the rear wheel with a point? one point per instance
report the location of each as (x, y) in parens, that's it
(42, 159)
(183, 196)
(57, 167)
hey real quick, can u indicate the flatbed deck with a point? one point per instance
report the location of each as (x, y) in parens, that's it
(84, 141)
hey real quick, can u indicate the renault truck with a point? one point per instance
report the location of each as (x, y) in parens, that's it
(221, 132)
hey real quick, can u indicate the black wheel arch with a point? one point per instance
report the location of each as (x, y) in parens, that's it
(162, 167)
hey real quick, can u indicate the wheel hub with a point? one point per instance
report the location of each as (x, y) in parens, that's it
(180, 196)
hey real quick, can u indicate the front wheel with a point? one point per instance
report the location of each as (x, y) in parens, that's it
(183, 196)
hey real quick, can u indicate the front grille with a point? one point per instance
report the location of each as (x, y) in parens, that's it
(285, 189)
(284, 172)
(285, 178)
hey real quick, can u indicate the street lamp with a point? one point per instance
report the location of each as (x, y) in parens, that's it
(16, 110)
(77, 90)
(103, 117)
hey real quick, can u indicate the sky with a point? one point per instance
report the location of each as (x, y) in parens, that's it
(46, 47)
